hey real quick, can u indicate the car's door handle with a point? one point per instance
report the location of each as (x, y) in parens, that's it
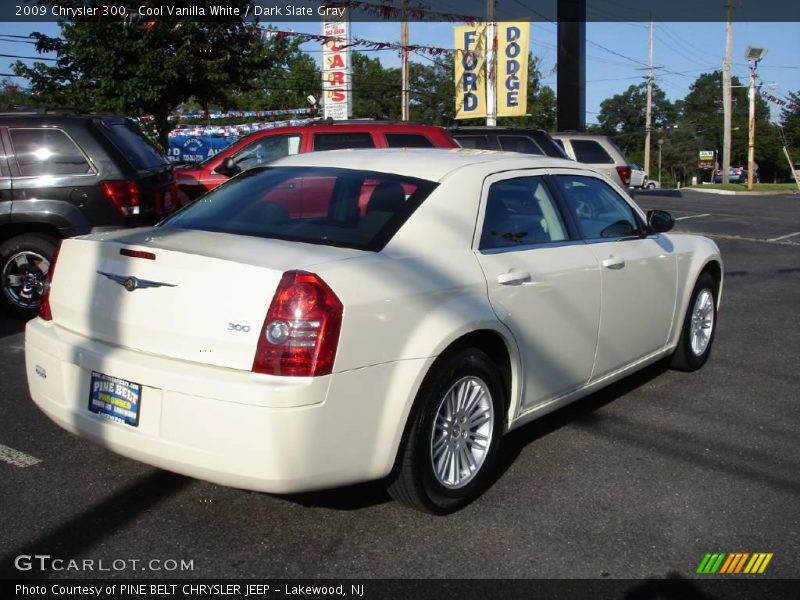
(513, 277)
(613, 262)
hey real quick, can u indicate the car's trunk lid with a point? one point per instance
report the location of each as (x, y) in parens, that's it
(190, 295)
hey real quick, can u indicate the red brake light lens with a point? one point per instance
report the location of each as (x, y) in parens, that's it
(301, 331)
(624, 174)
(44, 308)
(124, 196)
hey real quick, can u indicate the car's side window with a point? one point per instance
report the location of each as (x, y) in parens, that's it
(480, 142)
(266, 150)
(520, 212)
(47, 151)
(338, 141)
(407, 140)
(519, 143)
(599, 211)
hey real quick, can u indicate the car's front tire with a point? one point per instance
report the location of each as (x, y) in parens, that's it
(453, 437)
(699, 326)
(24, 263)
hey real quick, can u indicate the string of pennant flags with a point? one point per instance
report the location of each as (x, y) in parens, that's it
(782, 102)
(270, 34)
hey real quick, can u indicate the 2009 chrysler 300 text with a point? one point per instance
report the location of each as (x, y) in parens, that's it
(353, 315)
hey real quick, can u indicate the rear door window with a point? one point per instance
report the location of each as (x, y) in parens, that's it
(521, 212)
(407, 140)
(134, 146)
(337, 141)
(47, 151)
(590, 152)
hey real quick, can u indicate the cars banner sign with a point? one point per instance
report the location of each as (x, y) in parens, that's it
(470, 44)
(512, 68)
(336, 72)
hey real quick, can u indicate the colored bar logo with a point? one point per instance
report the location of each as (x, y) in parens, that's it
(734, 563)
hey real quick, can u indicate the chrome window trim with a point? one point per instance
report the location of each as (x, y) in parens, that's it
(526, 247)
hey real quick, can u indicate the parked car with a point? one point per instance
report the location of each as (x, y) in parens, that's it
(735, 175)
(66, 173)
(598, 151)
(638, 177)
(652, 184)
(365, 315)
(267, 145)
(511, 139)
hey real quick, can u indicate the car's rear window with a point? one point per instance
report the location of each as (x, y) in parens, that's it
(318, 205)
(590, 152)
(134, 146)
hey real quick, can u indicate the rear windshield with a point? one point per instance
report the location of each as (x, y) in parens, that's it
(318, 205)
(134, 146)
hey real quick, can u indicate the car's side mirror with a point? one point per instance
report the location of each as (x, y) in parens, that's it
(659, 221)
(228, 168)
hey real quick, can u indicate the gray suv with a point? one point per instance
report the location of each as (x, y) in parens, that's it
(600, 153)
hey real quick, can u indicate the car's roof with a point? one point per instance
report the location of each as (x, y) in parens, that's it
(433, 164)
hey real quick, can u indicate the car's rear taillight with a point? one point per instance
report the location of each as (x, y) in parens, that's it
(44, 307)
(123, 195)
(301, 331)
(624, 174)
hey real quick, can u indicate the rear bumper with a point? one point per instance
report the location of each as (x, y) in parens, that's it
(271, 434)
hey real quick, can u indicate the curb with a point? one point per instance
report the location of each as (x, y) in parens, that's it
(745, 193)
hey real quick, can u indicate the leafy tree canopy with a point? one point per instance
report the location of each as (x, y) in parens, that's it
(147, 66)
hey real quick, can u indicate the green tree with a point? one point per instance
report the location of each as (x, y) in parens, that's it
(623, 117)
(376, 90)
(790, 121)
(13, 97)
(292, 75)
(148, 66)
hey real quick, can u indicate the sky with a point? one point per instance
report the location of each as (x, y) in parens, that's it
(616, 52)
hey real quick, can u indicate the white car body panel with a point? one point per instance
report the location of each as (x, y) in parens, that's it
(575, 328)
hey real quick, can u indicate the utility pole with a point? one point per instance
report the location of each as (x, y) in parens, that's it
(649, 117)
(404, 63)
(751, 144)
(491, 65)
(726, 97)
(753, 55)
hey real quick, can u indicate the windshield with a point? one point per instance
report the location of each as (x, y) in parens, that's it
(318, 205)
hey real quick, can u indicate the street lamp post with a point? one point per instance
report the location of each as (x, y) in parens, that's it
(753, 55)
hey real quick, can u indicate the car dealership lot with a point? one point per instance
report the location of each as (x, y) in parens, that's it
(641, 479)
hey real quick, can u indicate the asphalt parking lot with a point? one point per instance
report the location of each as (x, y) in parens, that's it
(639, 480)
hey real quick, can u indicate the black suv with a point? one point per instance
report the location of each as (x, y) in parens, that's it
(510, 139)
(64, 174)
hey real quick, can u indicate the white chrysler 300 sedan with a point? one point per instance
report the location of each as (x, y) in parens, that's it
(355, 315)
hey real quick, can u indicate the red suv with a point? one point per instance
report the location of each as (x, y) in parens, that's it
(270, 144)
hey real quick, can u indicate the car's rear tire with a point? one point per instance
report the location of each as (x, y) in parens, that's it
(453, 436)
(651, 186)
(699, 326)
(24, 263)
